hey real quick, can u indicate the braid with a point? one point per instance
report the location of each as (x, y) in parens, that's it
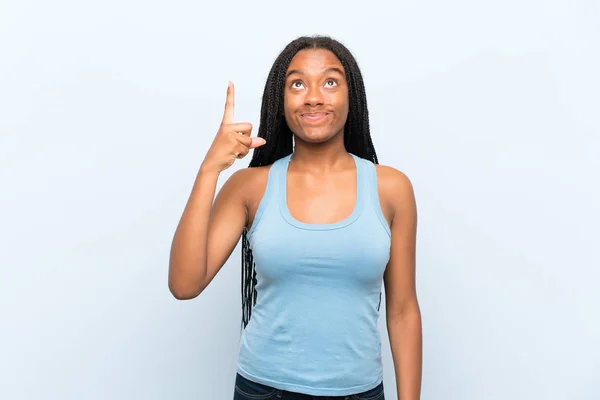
(273, 128)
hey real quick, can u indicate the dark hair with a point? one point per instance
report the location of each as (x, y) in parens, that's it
(274, 129)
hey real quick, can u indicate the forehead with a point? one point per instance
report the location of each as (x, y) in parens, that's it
(314, 60)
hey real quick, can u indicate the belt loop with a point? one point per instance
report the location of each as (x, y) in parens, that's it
(279, 391)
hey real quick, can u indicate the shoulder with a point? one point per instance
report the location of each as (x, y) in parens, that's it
(250, 175)
(248, 184)
(391, 179)
(395, 188)
(249, 179)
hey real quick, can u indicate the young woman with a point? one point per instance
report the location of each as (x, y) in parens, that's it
(322, 226)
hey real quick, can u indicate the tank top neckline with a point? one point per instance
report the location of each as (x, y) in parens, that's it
(287, 216)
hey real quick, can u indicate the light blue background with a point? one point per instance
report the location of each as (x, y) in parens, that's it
(107, 109)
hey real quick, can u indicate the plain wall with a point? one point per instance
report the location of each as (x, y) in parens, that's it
(107, 109)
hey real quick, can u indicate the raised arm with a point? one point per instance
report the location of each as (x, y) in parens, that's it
(207, 233)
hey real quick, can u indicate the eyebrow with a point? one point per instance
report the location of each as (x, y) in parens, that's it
(327, 70)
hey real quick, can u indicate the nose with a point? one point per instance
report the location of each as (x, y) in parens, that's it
(314, 96)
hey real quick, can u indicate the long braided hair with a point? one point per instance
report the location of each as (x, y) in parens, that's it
(274, 129)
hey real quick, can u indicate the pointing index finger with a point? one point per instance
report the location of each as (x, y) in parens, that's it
(229, 104)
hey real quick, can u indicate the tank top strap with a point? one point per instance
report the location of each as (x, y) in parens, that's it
(371, 191)
(272, 190)
(362, 176)
(279, 170)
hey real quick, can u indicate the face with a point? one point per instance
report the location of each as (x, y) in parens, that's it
(316, 96)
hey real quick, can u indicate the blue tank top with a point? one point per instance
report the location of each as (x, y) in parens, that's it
(314, 328)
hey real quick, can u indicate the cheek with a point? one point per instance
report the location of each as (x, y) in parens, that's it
(343, 107)
(288, 113)
(288, 105)
(340, 98)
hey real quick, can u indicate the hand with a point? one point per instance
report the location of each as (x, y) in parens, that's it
(232, 141)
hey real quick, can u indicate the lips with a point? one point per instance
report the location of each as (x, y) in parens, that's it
(314, 117)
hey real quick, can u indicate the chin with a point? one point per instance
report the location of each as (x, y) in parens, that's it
(315, 137)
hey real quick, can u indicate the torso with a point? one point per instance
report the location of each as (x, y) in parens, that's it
(317, 200)
(320, 247)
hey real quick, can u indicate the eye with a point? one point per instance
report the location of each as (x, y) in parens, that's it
(297, 84)
(331, 83)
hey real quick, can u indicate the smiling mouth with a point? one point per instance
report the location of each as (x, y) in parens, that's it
(313, 117)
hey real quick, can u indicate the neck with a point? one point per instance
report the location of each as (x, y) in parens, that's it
(320, 157)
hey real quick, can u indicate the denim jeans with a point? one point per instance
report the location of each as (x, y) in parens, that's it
(248, 390)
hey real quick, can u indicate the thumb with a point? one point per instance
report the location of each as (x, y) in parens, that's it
(257, 142)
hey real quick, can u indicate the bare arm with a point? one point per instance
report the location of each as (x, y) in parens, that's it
(187, 264)
(403, 315)
(207, 233)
